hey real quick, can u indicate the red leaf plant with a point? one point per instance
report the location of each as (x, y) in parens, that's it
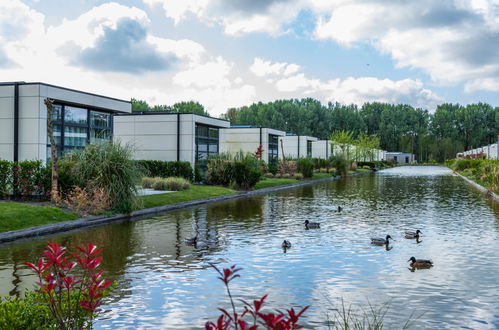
(274, 321)
(73, 289)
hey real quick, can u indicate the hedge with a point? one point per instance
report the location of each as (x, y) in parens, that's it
(165, 169)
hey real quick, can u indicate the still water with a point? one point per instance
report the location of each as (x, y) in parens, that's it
(163, 283)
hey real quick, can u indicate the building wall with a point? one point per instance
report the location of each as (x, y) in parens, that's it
(154, 136)
(490, 151)
(33, 116)
(246, 139)
(295, 146)
(400, 157)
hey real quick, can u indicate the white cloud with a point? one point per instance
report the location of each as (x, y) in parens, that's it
(262, 68)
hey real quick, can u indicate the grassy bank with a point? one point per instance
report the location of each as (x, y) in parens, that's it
(275, 182)
(485, 172)
(195, 192)
(14, 216)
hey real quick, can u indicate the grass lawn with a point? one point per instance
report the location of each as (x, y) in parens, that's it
(15, 216)
(195, 192)
(275, 182)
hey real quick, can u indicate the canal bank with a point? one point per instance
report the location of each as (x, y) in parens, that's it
(65, 226)
(484, 190)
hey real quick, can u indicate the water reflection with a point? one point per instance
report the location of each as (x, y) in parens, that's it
(166, 283)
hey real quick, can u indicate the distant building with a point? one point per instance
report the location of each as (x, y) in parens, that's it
(296, 146)
(170, 136)
(79, 118)
(248, 138)
(400, 157)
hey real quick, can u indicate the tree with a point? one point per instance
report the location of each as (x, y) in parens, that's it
(344, 140)
(54, 193)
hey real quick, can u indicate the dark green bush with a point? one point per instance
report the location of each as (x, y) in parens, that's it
(306, 167)
(5, 177)
(167, 169)
(370, 164)
(242, 171)
(245, 177)
(320, 163)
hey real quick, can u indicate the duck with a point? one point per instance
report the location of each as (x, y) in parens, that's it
(420, 263)
(191, 240)
(286, 244)
(381, 241)
(339, 209)
(412, 234)
(312, 225)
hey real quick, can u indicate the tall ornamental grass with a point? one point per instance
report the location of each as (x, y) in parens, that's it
(109, 166)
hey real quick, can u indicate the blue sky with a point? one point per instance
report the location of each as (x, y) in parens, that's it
(229, 53)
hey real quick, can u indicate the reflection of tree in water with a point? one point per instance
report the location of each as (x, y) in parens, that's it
(245, 211)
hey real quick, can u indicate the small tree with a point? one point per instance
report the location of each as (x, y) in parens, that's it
(344, 140)
(54, 193)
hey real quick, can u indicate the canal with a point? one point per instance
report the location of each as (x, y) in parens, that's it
(164, 283)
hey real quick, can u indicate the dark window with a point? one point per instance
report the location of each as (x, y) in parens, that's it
(74, 127)
(309, 148)
(395, 158)
(407, 159)
(206, 143)
(273, 148)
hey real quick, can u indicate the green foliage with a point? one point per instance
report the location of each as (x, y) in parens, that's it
(5, 177)
(167, 184)
(109, 166)
(305, 167)
(320, 163)
(341, 164)
(180, 107)
(299, 176)
(28, 313)
(485, 171)
(23, 179)
(164, 169)
(241, 170)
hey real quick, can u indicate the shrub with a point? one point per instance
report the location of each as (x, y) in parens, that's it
(72, 289)
(286, 176)
(366, 167)
(332, 170)
(320, 163)
(353, 166)
(197, 173)
(298, 176)
(306, 167)
(148, 182)
(108, 166)
(28, 313)
(254, 312)
(323, 170)
(165, 169)
(87, 201)
(27, 178)
(287, 166)
(160, 184)
(240, 171)
(268, 175)
(5, 177)
(341, 164)
(177, 184)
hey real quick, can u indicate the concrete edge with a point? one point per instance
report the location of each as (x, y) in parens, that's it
(14, 235)
(484, 190)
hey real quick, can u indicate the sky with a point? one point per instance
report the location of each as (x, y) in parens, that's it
(231, 53)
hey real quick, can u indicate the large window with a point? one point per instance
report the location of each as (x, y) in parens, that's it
(206, 143)
(273, 148)
(74, 127)
(309, 148)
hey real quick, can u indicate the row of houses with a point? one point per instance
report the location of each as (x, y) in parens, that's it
(490, 151)
(80, 118)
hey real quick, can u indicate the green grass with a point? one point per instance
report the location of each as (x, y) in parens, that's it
(14, 216)
(318, 176)
(195, 192)
(274, 182)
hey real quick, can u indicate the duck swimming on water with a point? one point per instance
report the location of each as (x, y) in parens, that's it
(286, 244)
(312, 225)
(412, 234)
(191, 240)
(381, 241)
(420, 263)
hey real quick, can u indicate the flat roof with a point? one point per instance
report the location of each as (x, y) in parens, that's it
(12, 83)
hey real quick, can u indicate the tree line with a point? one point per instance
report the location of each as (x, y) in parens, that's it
(431, 136)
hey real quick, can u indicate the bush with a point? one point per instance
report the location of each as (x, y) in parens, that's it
(268, 175)
(288, 167)
(87, 201)
(341, 164)
(286, 176)
(332, 170)
(241, 171)
(29, 313)
(320, 163)
(165, 169)
(148, 182)
(306, 167)
(366, 165)
(108, 166)
(299, 176)
(5, 177)
(177, 184)
(323, 170)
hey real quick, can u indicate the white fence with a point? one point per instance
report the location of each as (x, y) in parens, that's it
(490, 152)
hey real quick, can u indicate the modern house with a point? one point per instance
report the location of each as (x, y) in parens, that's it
(170, 136)
(249, 138)
(79, 118)
(400, 157)
(296, 146)
(490, 151)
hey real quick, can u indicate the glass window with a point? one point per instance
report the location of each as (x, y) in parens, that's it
(273, 148)
(99, 135)
(56, 112)
(56, 130)
(213, 132)
(206, 143)
(100, 119)
(75, 136)
(309, 148)
(73, 115)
